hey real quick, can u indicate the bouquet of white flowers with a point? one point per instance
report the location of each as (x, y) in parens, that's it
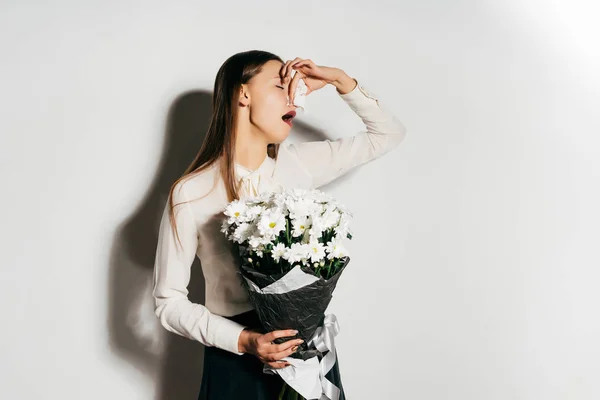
(291, 256)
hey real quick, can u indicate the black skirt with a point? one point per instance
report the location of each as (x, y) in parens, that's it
(228, 376)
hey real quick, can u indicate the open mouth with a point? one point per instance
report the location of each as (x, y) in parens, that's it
(287, 117)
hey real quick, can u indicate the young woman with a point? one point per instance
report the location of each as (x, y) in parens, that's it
(243, 154)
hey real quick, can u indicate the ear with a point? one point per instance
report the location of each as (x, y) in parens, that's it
(244, 99)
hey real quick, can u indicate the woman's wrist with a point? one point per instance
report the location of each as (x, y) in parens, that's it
(344, 83)
(244, 340)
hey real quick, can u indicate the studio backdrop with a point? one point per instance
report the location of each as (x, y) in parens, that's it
(474, 267)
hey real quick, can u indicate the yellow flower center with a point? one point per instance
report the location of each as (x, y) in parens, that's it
(272, 225)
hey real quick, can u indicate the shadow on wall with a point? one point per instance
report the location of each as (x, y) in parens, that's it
(170, 360)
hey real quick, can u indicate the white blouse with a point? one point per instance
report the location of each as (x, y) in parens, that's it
(306, 165)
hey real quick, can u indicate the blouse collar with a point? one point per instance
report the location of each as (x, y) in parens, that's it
(253, 183)
(257, 181)
(243, 171)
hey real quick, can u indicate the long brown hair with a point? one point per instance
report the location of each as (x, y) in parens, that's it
(220, 137)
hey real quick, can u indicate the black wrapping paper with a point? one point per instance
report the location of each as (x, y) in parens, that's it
(302, 309)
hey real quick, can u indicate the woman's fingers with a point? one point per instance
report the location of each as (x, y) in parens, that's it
(270, 336)
(286, 71)
(272, 354)
(283, 71)
(276, 359)
(282, 347)
(278, 364)
(282, 354)
(289, 68)
(305, 66)
(282, 350)
(303, 63)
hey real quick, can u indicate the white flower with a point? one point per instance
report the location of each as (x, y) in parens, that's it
(297, 252)
(335, 248)
(236, 211)
(299, 225)
(258, 250)
(256, 222)
(254, 241)
(267, 240)
(330, 217)
(343, 225)
(243, 232)
(322, 197)
(300, 192)
(264, 197)
(317, 227)
(278, 202)
(316, 251)
(279, 251)
(271, 223)
(301, 207)
(225, 226)
(254, 211)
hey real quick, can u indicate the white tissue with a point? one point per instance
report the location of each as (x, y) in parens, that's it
(300, 93)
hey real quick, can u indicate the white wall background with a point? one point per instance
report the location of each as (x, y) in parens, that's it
(475, 267)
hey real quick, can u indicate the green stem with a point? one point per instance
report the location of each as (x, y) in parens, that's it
(288, 393)
(282, 391)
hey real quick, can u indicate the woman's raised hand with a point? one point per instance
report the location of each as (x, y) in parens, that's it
(269, 353)
(315, 76)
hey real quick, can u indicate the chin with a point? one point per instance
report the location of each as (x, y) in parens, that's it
(280, 138)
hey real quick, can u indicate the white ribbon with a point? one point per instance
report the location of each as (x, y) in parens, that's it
(248, 186)
(307, 377)
(254, 184)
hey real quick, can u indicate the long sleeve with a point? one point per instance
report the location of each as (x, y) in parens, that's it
(172, 271)
(327, 160)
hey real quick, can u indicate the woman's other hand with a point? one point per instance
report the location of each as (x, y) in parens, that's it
(315, 77)
(262, 347)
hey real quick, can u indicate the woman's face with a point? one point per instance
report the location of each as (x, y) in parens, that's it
(268, 99)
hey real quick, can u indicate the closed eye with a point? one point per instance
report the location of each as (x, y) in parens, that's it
(280, 87)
